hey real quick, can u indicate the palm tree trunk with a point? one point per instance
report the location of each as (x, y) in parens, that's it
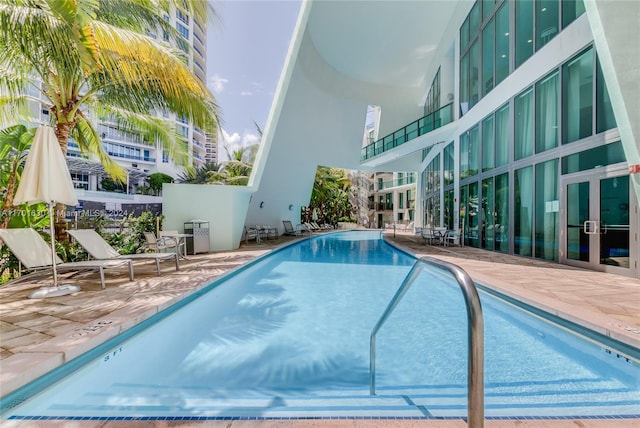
(62, 131)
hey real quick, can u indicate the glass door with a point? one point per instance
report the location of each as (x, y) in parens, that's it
(600, 223)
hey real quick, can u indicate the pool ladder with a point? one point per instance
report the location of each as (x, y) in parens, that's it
(475, 400)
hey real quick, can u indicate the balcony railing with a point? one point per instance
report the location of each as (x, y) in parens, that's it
(413, 130)
(380, 206)
(409, 179)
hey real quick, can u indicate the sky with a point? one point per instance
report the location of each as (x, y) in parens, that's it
(246, 49)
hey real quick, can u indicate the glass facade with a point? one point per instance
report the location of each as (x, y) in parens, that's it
(547, 113)
(523, 211)
(488, 144)
(524, 30)
(485, 35)
(523, 107)
(547, 208)
(502, 136)
(577, 97)
(511, 185)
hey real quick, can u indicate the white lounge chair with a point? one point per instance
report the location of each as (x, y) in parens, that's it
(100, 249)
(34, 254)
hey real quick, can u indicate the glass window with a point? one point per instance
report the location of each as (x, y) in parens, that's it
(448, 164)
(488, 144)
(464, 155)
(547, 18)
(474, 20)
(502, 136)
(547, 207)
(401, 201)
(182, 30)
(604, 112)
(464, 221)
(577, 97)
(597, 157)
(571, 9)
(523, 138)
(523, 211)
(487, 235)
(547, 113)
(488, 38)
(464, 85)
(502, 43)
(474, 146)
(448, 209)
(501, 226)
(464, 35)
(487, 8)
(473, 237)
(474, 74)
(524, 30)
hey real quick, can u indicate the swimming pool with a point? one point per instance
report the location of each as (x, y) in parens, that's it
(289, 337)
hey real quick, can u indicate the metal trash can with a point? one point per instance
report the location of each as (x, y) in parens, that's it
(199, 243)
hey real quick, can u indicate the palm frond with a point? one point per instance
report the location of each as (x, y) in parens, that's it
(89, 142)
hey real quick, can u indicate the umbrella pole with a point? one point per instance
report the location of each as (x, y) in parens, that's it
(53, 246)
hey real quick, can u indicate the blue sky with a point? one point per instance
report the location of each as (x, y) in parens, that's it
(246, 49)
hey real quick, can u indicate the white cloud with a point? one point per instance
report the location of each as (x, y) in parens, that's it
(217, 83)
(246, 93)
(234, 141)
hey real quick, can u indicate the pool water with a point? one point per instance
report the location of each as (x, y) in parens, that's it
(289, 337)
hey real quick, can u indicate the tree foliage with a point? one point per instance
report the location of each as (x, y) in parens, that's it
(156, 180)
(86, 58)
(330, 195)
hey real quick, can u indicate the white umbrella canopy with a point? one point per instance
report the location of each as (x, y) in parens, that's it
(314, 215)
(45, 178)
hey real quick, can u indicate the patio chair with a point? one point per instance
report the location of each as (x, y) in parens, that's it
(34, 254)
(288, 228)
(251, 233)
(157, 245)
(100, 249)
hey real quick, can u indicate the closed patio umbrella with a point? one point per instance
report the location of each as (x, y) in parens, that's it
(45, 178)
(314, 215)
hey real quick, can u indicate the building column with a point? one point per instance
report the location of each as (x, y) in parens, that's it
(614, 24)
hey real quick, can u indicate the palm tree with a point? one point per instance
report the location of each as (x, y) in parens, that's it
(330, 194)
(237, 169)
(96, 57)
(199, 175)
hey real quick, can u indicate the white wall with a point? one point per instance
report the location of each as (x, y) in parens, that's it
(224, 207)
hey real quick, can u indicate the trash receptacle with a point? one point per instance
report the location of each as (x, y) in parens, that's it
(199, 242)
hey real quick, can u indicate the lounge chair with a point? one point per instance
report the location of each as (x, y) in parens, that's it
(35, 254)
(100, 249)
(311, 228)
(288, 228)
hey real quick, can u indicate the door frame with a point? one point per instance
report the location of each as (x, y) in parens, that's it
(594, 177)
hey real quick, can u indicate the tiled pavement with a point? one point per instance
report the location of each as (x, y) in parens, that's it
(39, 335)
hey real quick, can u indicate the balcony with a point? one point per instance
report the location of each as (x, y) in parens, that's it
(424, 125)
(381, 206)
(409, 179)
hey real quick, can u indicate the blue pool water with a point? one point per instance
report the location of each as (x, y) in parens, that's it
(289, 337)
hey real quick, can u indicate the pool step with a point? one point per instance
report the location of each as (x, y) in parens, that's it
(404, 401)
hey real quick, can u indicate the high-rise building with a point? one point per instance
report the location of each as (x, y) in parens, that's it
(128, 149)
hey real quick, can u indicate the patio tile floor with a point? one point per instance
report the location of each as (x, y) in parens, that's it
(38, 335)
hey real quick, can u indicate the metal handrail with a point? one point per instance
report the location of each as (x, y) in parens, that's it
(475, 400)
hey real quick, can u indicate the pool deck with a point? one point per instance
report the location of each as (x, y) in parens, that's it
(37, 335)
